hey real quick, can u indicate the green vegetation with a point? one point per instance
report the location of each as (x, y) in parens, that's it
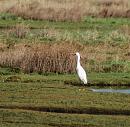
(89, 31)
(12, 118)
(35, 100)
(95, 79)
(104, 42)
(45, 97)
(9, 20)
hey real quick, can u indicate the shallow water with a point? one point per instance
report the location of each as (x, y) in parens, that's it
(126, 91)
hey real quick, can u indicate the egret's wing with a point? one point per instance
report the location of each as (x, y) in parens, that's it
(82, 74)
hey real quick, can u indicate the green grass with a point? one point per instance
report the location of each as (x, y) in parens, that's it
(34, 100)
(89, 31)
(24, 97)
(112, 79)
(12, 118)
(51, 91)
(9, 20)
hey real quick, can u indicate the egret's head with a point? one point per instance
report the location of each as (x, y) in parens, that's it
(77, 54)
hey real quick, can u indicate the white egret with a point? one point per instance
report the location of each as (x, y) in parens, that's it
(80, 71)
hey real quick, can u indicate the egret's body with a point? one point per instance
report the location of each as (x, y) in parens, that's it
(80, 71)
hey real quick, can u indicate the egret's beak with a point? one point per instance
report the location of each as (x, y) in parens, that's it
(73, 54)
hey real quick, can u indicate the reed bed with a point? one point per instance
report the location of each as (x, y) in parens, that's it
(58, 58)
(70, 10)
(38, 58)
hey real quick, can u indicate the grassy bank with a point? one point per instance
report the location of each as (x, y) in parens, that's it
(94, 79)
(52, 91)
(12, 118)
(37, 100)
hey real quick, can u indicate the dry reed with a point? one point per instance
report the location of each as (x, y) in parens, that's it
(19, 30)
(57, 58)
(72, 10)
(39, 58)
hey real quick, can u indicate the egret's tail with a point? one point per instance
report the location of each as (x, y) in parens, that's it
(85, 81)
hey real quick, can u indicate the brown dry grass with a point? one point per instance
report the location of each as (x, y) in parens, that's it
(72, 10)
(38, 57)
(19, 30)
(57, 57)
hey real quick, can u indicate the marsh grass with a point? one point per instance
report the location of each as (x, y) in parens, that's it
(49, 93)
(85, 36)
(57, 58)
(34, 100)
(89, 31)
(14, 118)
(20, 30)
(39, 58)
(103, 44)
(55, 10)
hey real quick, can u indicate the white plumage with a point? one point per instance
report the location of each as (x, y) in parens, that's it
(80, 71)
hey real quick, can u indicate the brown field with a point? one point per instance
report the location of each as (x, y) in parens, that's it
(61, 10)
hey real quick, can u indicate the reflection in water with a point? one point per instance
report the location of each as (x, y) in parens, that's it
(127, 91)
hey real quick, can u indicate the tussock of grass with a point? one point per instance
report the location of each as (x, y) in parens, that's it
(39, 58)
(19, 30)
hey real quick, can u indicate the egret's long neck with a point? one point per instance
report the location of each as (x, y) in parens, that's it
(78, 61)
